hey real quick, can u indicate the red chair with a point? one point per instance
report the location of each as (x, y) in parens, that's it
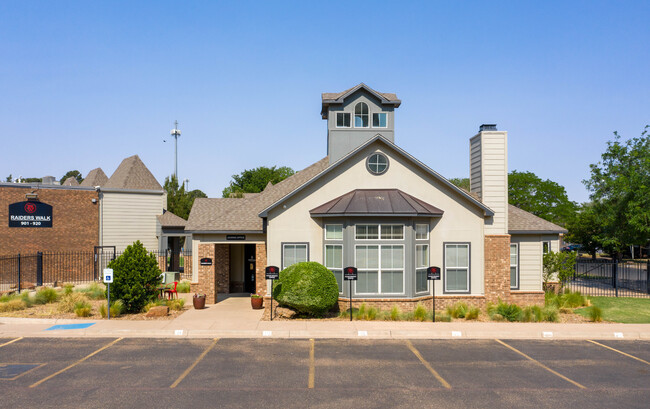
(172, 290)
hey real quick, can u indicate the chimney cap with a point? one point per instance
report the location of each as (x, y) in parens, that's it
(487, 127)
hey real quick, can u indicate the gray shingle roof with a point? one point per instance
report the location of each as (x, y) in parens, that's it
(521, 221)
(231, 214)
(95, 177)
(336, 98)
(71, 181)
(133, 174)
(376, 202)
(169, 219)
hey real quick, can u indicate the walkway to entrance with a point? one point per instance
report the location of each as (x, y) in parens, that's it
(230, 311)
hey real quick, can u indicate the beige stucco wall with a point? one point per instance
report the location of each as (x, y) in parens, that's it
(530, 259)
(130, 216)
(461, 222)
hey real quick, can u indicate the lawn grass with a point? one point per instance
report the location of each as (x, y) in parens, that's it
(621, 309)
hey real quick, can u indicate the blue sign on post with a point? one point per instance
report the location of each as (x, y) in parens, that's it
(108, 279)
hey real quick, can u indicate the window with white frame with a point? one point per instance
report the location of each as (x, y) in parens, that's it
(333, 232)
(379, 120)
(514, 266)
(293, 253)
(343, 120)
(421, 264)
(380, 269)
(456, 267)
(546, 247)
(361, 115)
(334, 262)
(376, 231)
(421, 232)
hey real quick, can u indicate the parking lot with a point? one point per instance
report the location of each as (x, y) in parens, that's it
(87, 372)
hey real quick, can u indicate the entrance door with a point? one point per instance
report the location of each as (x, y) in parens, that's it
(249, 268)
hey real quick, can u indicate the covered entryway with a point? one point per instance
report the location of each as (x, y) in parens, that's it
(242, 268)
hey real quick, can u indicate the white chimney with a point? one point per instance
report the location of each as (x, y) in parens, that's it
(488, 162)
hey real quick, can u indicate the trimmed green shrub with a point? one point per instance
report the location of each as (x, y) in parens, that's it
(46, 296)
(135, 277)
(307, 287)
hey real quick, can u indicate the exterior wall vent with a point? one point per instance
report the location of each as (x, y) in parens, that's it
(487, 127)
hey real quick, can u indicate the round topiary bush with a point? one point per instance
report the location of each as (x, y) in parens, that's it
(307, 287)
(136, 277)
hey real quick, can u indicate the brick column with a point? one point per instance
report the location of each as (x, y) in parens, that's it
(497, 268)
(222, 267)
(260, 266)
(207, 284)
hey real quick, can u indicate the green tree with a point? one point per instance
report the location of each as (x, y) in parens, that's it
(587, 229)
(620, 191)
(136, 276)
(543, 198)
(255, 180)
(72, 173)
(560, 266)
(179, 201)
(462, 183)
(9, 178)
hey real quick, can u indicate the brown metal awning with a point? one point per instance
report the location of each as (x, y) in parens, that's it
(376, 202)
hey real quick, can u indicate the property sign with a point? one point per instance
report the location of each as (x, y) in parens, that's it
(30, 214)
(272, 273)
(236, 237)
(108, 275)
(206, 261)
(433, 273)
(350, 273)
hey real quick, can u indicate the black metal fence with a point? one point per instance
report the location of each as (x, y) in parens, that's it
(55, 268)
(611, 279)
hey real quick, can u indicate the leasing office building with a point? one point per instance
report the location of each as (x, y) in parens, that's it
(372, 205)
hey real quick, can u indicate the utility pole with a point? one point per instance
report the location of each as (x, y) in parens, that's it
(176, 133)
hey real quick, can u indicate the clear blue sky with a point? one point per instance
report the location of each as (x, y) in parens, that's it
(86, 84)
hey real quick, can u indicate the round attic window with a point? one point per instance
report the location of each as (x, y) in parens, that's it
(377, 163)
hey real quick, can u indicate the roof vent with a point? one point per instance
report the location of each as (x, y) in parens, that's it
(487, 127)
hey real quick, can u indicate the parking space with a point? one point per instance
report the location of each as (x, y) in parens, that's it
(239, 369)
(365, 364)
(485, 364)
(593, 366)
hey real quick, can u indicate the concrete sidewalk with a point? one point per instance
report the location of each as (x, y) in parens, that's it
(233, 318)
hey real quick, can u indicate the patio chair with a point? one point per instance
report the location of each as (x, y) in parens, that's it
(169, 292)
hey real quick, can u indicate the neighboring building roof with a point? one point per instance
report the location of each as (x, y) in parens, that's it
(231, 214)
(336, 98)
(169, 219)
(95, 177)
(71, 181)
(133, 174)
(487, 211)
(523, 222)
(376, 202)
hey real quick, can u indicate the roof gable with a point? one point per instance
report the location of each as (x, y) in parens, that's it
(133, 174)
(95, 177)
(338, 98)
(379, 138)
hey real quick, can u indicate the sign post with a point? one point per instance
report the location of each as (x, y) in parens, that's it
(272, 273)
(350, 274)
(108, 279)
(433, 274)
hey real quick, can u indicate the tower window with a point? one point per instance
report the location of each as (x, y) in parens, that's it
(379, 120)
(361, 115)
(342, 119)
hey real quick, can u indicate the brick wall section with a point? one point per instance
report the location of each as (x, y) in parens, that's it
(75, 222)
(260, 266)
(523, 298)
(207, 284)
(222, 267)
(497, 268)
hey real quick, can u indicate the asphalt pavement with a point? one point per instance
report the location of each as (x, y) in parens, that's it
(323, 373)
